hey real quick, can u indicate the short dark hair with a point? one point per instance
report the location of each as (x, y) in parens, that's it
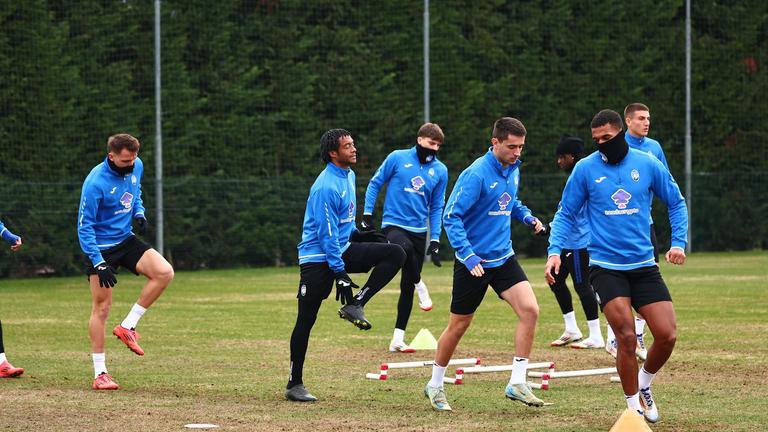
(605, 117)
(433, 131)
(119, 142)
(506, 126)
(330, 142)
(633, 107)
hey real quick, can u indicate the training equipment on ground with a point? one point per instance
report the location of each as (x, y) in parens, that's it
(201, 426)
(544, 385)
(573, 373)
(385, 367)
(424, 341)
(630, 421)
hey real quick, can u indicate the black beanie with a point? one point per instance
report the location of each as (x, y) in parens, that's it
(570, 145)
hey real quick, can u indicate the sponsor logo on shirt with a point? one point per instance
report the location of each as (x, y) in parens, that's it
(350, 214)
(408, 165)
(599, 180)
(503, 201)
(621, 199)
(494, 185)
(126, 200)
(416, 183)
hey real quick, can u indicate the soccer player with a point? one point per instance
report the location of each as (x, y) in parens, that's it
(6, 368)
(109, 204)
(637, 116)
(330, 247)
(478, 222)
(576, 258)
(415, 196)
(616, 185)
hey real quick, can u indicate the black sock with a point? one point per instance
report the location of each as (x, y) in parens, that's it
(305, 319)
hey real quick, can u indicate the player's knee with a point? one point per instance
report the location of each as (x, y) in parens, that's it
(627, 340)
(165, 275)
(397, 254)
(529, 313)
(667, 339)
(100, 310)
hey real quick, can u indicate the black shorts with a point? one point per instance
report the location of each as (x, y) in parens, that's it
(642, 285)
(317, 279)
(655, 244)
(468, 291)
(126, 254)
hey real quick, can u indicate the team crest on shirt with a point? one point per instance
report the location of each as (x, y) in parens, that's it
(126, 200)
(417, 182)
(517, 179)
(431, 172)
(133, 179)
(635, 175)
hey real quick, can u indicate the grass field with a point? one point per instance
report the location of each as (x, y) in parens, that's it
(217, 352)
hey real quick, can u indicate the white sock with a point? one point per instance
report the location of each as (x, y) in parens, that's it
(519, 369)
(570, 322)
(133, 317)
(99, 364)
(594, 329)
(644, 378)
(421, 286)
(438, 373)
(633, 402)
(2, 357)
(609, 333)
(639, 325)
(398, 335)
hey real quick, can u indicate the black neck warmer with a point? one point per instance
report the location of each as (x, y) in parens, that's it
(120, 171)
(614, 150)
(425, 155)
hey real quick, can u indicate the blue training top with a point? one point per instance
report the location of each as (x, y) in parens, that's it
(329, 219)
(108, 203)
(478, 216)
(578, 238)
(617, 199)
(415, 193)
(7, 235)
(647, 145)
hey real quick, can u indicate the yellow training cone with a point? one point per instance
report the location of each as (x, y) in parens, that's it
(424, 341)
(630, 421)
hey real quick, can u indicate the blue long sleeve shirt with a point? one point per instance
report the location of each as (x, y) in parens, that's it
(108, 204)
(7, 235)
(478, 216)
(329, 219)
(617, 199)
(578, 238)
(647, 145)
(415, 192)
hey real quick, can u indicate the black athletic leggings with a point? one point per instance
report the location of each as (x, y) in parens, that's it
(385, 259)
(2, 347)
(414, 245)
(575, 263)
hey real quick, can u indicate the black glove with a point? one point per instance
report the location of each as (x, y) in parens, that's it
(107, 279)
(367, 223)
(432, 251)
(141, 224)
(344, 287)
(371, 236)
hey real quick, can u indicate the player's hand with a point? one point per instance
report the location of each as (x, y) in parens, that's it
(370, 236)
(107, 278)
(536, 224)
(344, 287)
(675, 256)
(17, 245)
(432, 251)
(475, 265)
(367, 223)
(552, 268)
(141, 224)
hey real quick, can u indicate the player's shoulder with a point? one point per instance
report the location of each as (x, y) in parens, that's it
(95, 177)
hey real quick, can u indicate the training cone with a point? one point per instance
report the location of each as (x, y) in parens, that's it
(630, 421)
(424, 341)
